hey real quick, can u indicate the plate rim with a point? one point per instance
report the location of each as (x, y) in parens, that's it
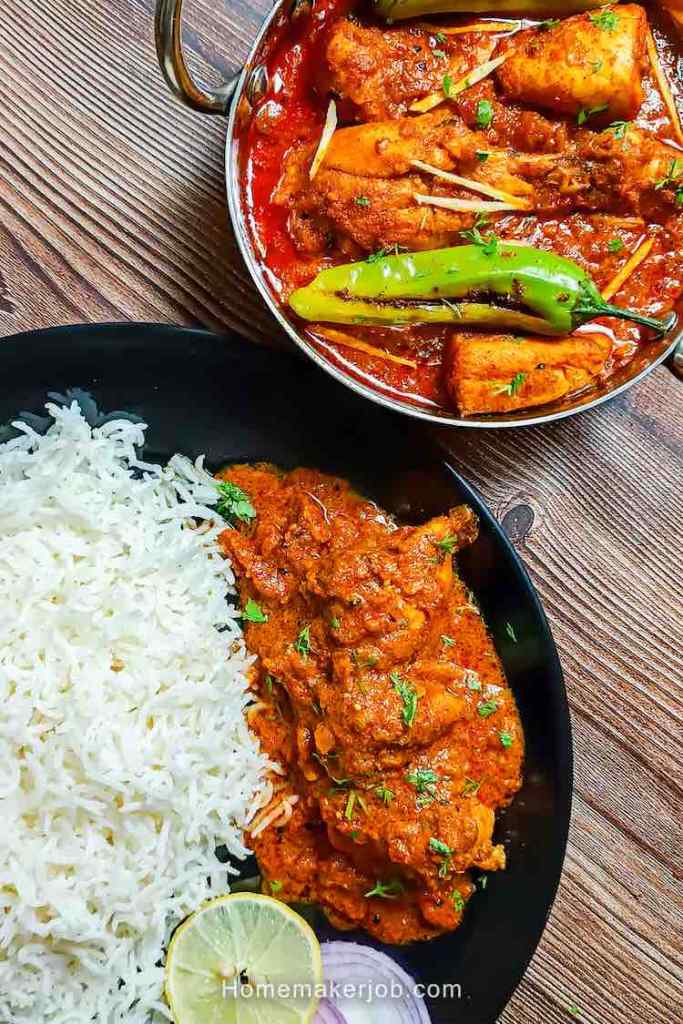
(563, 763)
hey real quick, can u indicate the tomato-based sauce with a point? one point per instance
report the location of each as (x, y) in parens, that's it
(380, 699)
(290, 117)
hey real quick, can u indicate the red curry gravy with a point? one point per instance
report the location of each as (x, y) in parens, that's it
(292, 111)
(381, 700)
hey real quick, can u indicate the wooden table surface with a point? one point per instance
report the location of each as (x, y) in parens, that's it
(112, 208)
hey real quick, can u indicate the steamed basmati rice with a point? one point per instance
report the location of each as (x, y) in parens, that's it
(124, 753)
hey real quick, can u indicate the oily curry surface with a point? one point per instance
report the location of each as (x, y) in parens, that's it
(574, 122)
(381, 700)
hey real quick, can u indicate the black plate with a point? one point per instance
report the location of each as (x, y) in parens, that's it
(200, 393)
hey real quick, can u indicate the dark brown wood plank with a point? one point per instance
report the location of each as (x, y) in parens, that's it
(112, 207)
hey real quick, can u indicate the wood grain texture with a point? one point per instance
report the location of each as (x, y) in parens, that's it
(112, 208)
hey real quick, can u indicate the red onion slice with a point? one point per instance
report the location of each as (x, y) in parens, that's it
(327, 1013)
(367, 987)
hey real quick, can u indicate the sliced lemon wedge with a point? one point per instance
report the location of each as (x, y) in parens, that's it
(243, 959)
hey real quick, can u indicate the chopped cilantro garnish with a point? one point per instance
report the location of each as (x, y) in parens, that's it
(574, 1010)
(439, 53)
(437, 846)
(440, 37)
(548, 23)
(387, 890)
(486, 708)
(302, 643)
(447, 85)
(335, 623)
(233, 503)
(448, 544)
(671, 177)
(275, 886)
(615, 245)
(513, 386)
(606, 19)
(489, 243)
(484, 114)
(470, 787)
(361, 201)
(587, 112)
(424, 779)
(385, 794)
(596, 65)
(505, 739)
(253, 612)
(458, 901)
(447, 641)
(408, 695)
(619, 128)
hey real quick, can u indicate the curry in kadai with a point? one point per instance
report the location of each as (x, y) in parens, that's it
(381, 702)
(407, 182)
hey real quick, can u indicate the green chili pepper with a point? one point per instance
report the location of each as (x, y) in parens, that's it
(396, 10)
(514, 286)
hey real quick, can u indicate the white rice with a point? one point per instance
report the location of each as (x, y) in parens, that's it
(124, 753)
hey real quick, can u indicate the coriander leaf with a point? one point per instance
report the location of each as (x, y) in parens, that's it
(447, 641)
(440, 37)
(302, 643)
(548, 23)
(472, 679)
(253, 612)
(574, 1010)
(486, 708)
(388, 890)
(233, 503)
(513, 387)
(439, 53)
(437, 846)
(615, 245)
(596, 65)
(672, 175)
(447, 85)
(458, 901)
(619, 128)
(505, 739)
(484, 114)
(361, 201)
(489, 243)
(470, 787)
(385, 794)
(448, 544)
(408, 695)
(275, 886)
(424, 779)
(606, 19)
(335, 623)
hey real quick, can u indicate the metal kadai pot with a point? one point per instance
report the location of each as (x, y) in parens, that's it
(244, 89)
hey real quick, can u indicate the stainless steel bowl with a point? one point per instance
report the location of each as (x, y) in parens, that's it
(246, 87)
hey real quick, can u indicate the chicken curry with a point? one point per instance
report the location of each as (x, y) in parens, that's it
(376, 141)
(381, 702)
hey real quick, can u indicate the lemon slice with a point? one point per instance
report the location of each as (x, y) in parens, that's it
(243, 959)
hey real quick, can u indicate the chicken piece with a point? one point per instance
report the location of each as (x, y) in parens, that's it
(363, 196)
(503, 373)
(378, 73)
(385, 149)
(588, 62)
